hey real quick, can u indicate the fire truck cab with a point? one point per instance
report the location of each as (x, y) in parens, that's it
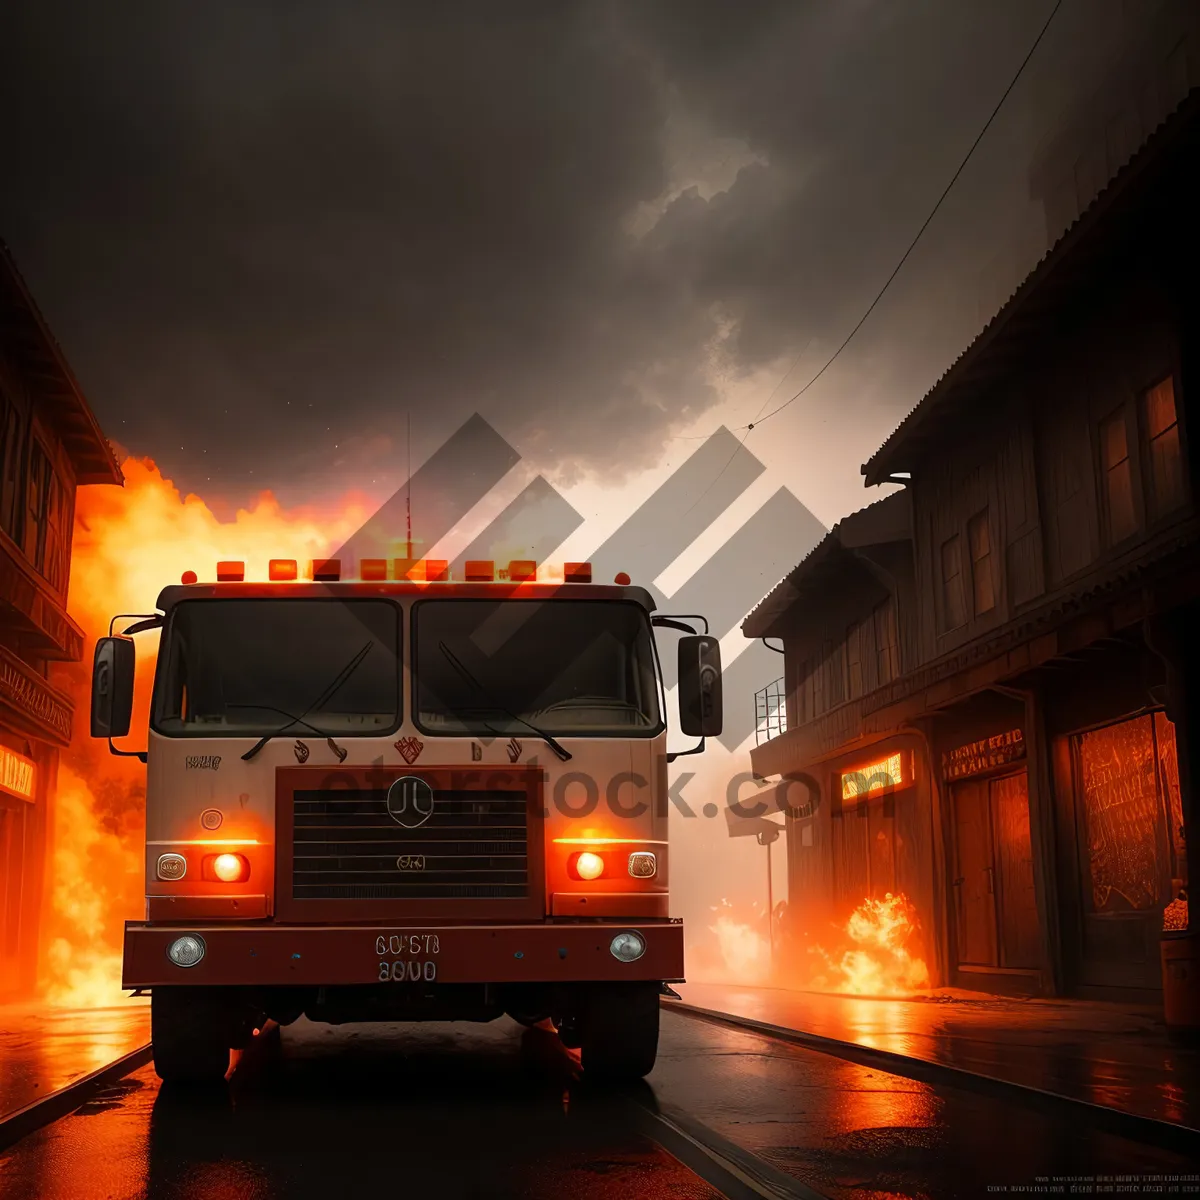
(399, 797)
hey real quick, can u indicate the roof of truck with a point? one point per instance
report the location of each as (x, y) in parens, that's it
(170, 596)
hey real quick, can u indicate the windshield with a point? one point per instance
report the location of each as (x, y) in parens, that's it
(237, 668)
(521, 667)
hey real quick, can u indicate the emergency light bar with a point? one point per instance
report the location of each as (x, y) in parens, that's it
(479, 570)
(281, 568)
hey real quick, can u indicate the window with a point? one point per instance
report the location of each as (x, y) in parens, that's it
(229, 668)
(1118, 478)
(887, 665)
(808, 693)
(1166, 462)
(56, 552)
(37, 505)
(953, 615)
(579, 668)
(854, 660)
(10, 465)
(47, 519)
(980, 539)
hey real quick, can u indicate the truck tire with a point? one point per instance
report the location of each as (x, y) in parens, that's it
(619, 1035)
(191, 1032)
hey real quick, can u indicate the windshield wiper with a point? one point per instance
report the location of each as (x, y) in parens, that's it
(283, 713)
(564, 754)
(327, 694)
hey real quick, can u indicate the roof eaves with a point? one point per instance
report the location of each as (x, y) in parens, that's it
(876, 468)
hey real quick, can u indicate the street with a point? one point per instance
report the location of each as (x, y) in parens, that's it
(495, 1110)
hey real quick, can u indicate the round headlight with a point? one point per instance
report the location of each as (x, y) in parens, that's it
(186, 951)
(628, 947)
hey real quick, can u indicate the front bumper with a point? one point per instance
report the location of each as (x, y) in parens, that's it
(329, 955)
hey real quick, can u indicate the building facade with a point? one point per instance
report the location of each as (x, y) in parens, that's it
(50, 444)
(1009, 745)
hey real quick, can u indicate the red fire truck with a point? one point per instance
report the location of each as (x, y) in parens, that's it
(401, 797)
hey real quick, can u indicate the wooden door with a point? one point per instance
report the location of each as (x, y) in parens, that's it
(1016, 900)
(10, 893)
(973, 882)
(1125, 851)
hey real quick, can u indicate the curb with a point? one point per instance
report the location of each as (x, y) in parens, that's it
(48, 1109)
(1149, 1131)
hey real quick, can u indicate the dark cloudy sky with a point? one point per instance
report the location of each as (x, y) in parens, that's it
(264, 232)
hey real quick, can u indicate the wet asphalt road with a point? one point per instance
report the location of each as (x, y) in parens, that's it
(496, 1111)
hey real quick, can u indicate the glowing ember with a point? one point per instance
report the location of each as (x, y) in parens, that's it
(879, 960)
(1175, 915)
(128, 544)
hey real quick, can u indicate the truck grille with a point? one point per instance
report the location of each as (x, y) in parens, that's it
(345, 846)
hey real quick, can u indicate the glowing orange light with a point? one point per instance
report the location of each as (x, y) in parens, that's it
(480, 570)
(576, 572)
(230, 868)
(282, 568)
(589, 865)
(231, 572)
(521, 570)
(622, 580)
(16, 774)
(188, 577)
(606, 841)
(372, 570)
(326, 570)
(888, 772)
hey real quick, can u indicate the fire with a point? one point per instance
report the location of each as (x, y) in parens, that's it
(878, 961)
(128, 544)
(745, 950)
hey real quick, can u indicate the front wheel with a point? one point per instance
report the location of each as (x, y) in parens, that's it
(619, 1034)
(192, 1030)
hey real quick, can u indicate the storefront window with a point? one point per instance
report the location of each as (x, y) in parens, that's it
(1125, 795)
(1168, 774)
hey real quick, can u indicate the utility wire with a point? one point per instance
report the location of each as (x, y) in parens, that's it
(928, 220)
(888, 283)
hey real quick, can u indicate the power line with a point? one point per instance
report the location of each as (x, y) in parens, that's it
(888, 283)
(933, 213)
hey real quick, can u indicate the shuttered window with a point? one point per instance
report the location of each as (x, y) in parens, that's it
(1162, 436)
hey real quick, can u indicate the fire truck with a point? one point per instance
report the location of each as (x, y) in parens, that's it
(394, 796)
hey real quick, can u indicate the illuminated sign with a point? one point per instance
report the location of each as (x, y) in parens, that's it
(16, 774)
(983, 755)
(877, 777)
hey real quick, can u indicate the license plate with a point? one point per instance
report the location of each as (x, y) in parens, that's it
(407, 957)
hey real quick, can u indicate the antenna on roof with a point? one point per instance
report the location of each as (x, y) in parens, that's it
(408, 485)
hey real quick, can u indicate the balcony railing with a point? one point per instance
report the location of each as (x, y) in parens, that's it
(770, 712)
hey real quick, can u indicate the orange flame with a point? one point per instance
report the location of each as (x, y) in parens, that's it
(879, 961)
(128, 544)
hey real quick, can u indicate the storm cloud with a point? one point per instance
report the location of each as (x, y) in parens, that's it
(267, 232)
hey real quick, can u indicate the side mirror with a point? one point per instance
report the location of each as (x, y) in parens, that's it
(112, 687)
(700, 711)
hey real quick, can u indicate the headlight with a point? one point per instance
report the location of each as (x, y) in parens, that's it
(628, 947)
(186, 951)
(643, 864)
(171, 866)
(227, 868)
(589, 865)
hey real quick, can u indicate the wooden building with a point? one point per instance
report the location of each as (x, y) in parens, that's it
(987, 672)
(49, 444)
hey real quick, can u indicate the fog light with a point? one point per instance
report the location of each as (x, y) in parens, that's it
(643, 864)
(589, 865)
(628, 947)
(172, 866)
(228, 868)
(188, 950)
